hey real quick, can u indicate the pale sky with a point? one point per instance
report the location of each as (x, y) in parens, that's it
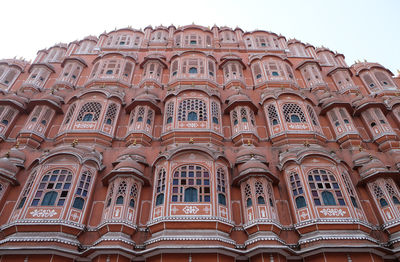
(360, 29)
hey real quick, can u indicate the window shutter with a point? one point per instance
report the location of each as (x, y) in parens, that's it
(184, 66)
(368, 80)
(201, 62)
(208, 40)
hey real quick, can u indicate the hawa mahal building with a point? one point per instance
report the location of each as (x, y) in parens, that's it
(195, 144)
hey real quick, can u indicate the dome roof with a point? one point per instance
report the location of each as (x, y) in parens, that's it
(239, 99)
(253, 167)
(145, 98)
(127, 167)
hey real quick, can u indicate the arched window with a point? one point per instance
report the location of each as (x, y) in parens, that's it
(260, 193)
(110, 194)
(133, 195)
(234, 118)
(160, 187)
(311, 113)
(49, 198)
(27, 189)
(243, 114)
(215, 112)
(170, 112)
(383, 79)
(368, 81)
(272, 115)
(120, 200)
(111, 114)
(149, 116)
(89, 112)
(190, 194)
(78, 203)
(189, 106)
(69, 114)
(328, 198)
(82, 190)
(7, 114)
(248, 196)
(192, 116)
(140, 114)
(88, 117)
(392, 192)
(221, 187)
(300, 202)
(121, 193)
(193, 70)
(190, 180)
(297, 190)
(323, 184)
(293, 113)
(53, 188)
(160, 199)
(350, 189)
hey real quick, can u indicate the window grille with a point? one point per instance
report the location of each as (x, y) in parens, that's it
(149, 116)
(247, 193)
(160, 187)
(53, 188)
(350, 189)
(297, 190)
(110, 194)
(111, 114)
(259, 193)
(312, 115)
(121, 193)
(323, 184)
(93, 108)
(69, 114)
(273, 115)
(234, 117)
(170, 112)
(293, 113)
(82, 190)
(221, 186)
(191, 183)
(26, 190)
(192, 110)
(133, 195)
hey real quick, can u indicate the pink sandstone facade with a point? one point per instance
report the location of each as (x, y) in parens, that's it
(198, 144)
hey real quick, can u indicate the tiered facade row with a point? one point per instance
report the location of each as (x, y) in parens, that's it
(198, 144)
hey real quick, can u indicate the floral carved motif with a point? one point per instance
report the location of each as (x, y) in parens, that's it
(190, 209)
(43, 213)
(333, 212)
